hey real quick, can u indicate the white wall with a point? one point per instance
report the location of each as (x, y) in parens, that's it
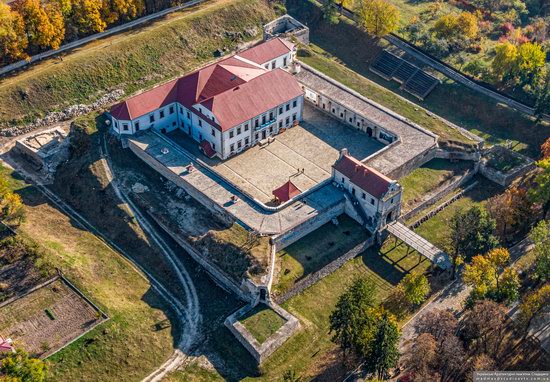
(279, 61)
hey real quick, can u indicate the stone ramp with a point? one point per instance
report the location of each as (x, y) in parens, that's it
(419, 244)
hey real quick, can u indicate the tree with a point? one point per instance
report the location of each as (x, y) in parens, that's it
(530, 61)
(484, 325)
(453, 26)
(542, 101)
(329, 12)
(20, 366)
(12, 207)
(511, 211)
(504, 64)
(379, 17)
(86, 16)
(471, 232)
(13, 40)
(115, 10)
(545, 149)
(440, 324)
(490, 278)
(416, 288)
(351, 319)
(451, 359)
(383, 353)
(534, 305)
(423, 357)
(540, 193)
(540, 235)
(44, 24)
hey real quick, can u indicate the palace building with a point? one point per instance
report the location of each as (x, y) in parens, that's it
(227, 106)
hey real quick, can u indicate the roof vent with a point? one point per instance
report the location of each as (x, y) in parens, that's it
(164, 150)
(233, 78)
(237, 88)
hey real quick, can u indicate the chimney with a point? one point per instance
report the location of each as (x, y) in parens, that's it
(357, 168)
(343, 152)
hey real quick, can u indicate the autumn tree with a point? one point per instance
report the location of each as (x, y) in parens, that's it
(44, 24)
(121, 10)
(504, 63)
(540, 192)
(545, 149)
(530, 61)
(533, 306)
(542, 100)
(422, 359)
(490, 278)
(13, 40)
(23, 368)
(471, 232)
(441, 324)
(483, 326)
(415, 287)
(540, 235)
(378, 17)
(351, 318)
(457, 26)
(511, 211)
(86, 16)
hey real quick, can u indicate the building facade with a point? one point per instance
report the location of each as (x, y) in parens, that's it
(227, 106)
(378, 196)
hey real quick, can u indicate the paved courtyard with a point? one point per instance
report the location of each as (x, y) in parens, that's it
(313, 146)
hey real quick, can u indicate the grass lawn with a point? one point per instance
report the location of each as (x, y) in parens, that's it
(262, 322)
(428, 178)
(113, 350)
(350, 50)
(194, 373)
(316, 250)
(434, 229)
(132, 60)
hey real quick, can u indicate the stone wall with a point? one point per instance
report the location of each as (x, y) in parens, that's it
(505, 178)
(312, 278)
(410, 166)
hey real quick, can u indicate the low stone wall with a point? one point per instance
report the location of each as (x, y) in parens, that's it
(441, 194)
(440, 207)
(291, 236)
(458, 155)
(260, 352)
(505, 178)
(313, 278)
(192, 191)
(412, 165)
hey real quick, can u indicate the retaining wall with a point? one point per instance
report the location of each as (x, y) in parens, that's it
(505, 179)
(408, 167)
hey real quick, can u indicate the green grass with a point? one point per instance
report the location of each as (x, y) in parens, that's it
(114, 350)
(194, 373)
(132, 60)
(429, 177)
(316, 250)
(262, 322)
(350, 50)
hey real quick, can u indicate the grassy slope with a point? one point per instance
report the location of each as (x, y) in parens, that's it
(131, 60)
(454, 102)
(114, 349)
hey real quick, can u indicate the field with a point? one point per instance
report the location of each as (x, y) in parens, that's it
(315, 250)
(46, 319)
(132, 60)
(345, 53)
(114, 349)
(262, 322)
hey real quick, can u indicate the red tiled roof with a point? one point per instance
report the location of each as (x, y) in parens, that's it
(207, 148)
(227, 79)
(286, 192)
(252, 98)
(267, 51)
(364, 177)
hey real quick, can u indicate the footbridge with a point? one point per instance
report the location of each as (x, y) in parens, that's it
(419, 244)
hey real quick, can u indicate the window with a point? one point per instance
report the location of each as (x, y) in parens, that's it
(353, 191)
(272, 64)
(266, 66)
(350, 120)
(232, 148)
(231, 134)
(174, 123)
(200, 110)
(212, 118)
(281, 110)
(152, 118)
(284, 61)
(280, 124)
(294, 103)
(287, 107)
(213, 132)
(341, 115)
(246, 127)
(333, 111)
(214, 146)
(372, 201)
(116, 124)
(287, 121)
(343, 180)
(171, 109)
(324, 106)
(391, 201)
(188, 115)
(256, 136)
(271, 128)
(200, 122)
(363, 195)
(239, 144)
(246, 141)
(257, 123)
(358, 124)
(161, 113)
(270, 115)
(200, 137)
(293, 117)
(263, 119)
(125, 126)
(238, 130)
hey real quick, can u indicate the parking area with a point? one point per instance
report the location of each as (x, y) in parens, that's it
(304, 154)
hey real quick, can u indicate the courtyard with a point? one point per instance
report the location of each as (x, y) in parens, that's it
(303, 154)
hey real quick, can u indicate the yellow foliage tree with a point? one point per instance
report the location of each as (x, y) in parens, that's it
(114, 10)
(468, 25)
(505, 60)
(87, 16)
(13, 40)
(452, 25)
(379, 17)
(44, 24)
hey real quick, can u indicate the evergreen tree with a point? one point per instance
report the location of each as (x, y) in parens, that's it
(383, 352)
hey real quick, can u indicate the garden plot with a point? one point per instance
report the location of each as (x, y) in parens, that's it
(48, 318)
